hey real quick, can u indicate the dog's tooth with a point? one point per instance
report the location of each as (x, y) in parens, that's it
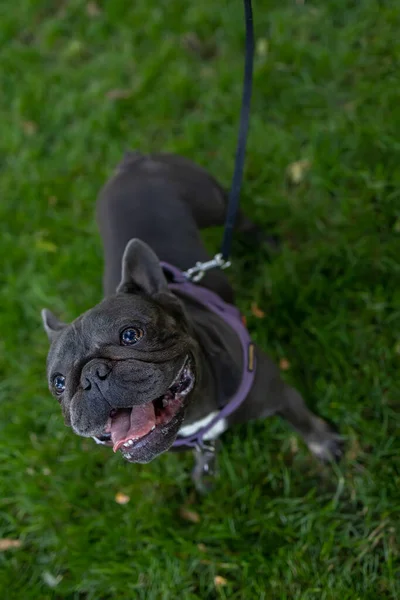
(126, 444)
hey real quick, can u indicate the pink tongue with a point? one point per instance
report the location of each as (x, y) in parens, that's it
(132, 424)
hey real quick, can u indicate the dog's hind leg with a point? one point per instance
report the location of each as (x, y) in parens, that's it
(271, 395)
(319, 436)
(205, 197)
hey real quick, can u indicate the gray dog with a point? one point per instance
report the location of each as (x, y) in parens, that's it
(149, 364)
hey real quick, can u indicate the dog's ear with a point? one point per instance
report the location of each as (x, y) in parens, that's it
(51, 324)
(141, 270)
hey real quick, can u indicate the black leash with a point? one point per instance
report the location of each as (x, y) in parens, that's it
(234, 196)
(222, 260)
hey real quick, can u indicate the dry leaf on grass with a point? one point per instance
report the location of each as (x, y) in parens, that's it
(219, 581)
(294, 444)
(118, 94)
(257, 312)
(192, 42)
(92, 9)
(262, 47)
(296, 171)
(51, 580)
(204, 49)
(354, 450)
(7, 543)
(45, 245)
(121, 498)
(73, 49)
(29, 127)
(206, 72)
(284, 364)
(350, 107)
(189, 515)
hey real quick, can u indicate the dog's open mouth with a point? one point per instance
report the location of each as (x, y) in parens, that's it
(129, 426)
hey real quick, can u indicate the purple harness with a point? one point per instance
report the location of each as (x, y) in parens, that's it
(231, 315)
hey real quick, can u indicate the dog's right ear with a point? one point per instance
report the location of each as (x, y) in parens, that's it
(141, 270)
(51, 324)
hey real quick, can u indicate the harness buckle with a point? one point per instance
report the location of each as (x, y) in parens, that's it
(197, 272)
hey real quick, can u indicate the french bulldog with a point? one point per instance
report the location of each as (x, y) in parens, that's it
(146, 364)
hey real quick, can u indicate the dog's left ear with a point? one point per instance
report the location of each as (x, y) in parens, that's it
(52, 325)
(141, 270)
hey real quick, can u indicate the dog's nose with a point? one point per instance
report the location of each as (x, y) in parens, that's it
(95, 372)
(103, 370)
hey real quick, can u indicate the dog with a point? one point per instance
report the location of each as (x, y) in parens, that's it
(148, 365)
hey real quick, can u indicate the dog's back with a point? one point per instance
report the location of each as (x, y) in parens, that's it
(163, 200)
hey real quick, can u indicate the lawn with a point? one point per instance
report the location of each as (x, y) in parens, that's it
(80, 83)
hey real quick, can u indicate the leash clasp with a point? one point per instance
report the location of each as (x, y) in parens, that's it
(206, 465)
(197, 272)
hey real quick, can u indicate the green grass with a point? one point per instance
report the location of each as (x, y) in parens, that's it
(278, 525)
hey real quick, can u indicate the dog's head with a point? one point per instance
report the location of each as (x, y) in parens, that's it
(124, 371)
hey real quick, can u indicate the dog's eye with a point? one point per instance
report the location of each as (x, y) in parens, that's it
(59, 383)
(131, 336)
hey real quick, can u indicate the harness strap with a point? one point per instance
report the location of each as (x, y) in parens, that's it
(231, 315)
